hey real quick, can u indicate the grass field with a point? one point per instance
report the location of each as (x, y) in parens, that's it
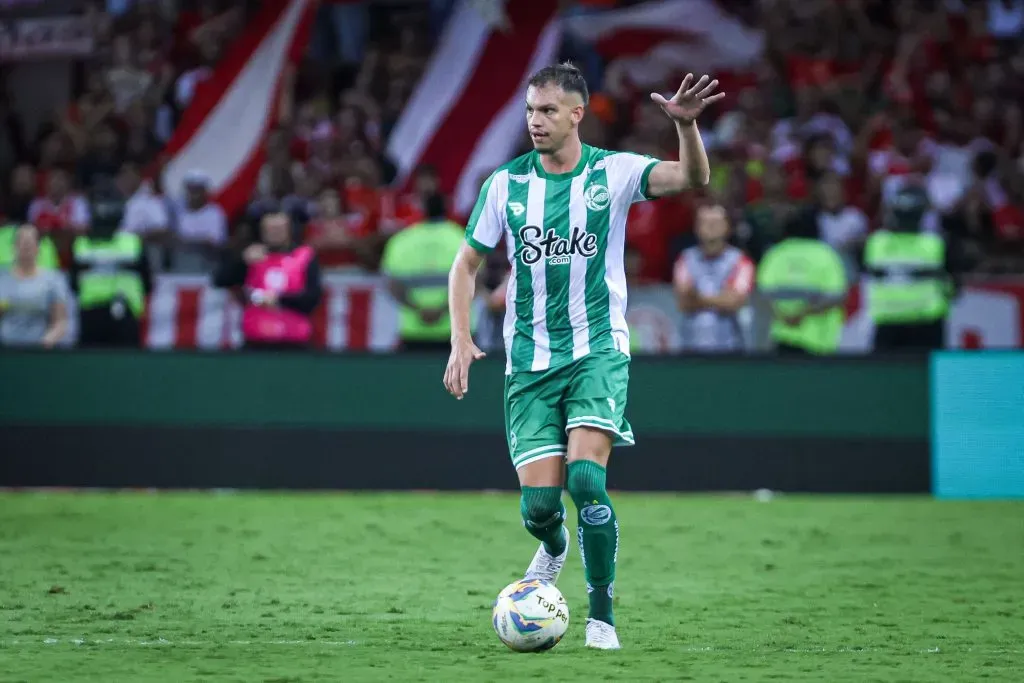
(183, 587)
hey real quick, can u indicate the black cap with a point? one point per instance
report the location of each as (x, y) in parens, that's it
(106, 207)
(907, 208)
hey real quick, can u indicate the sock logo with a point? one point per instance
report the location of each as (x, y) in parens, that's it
(596, 515)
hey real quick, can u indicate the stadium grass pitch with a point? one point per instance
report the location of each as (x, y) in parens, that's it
(361, 587)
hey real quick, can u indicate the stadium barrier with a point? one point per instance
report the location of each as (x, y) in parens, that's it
(367, 421)
(358, 314)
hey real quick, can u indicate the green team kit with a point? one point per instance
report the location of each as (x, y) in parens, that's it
(565, 332)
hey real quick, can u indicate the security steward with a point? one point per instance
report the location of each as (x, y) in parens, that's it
(804, 280)
(110, 275)
(416, 262)
(910, 279)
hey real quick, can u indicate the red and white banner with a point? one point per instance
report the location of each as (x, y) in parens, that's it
(657, 39)
(224, 129)
(358, 314)
(185, 312)
(466, 114)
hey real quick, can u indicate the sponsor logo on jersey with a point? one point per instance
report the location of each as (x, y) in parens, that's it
(597, 197)
(519, 178)
(540, 244)
(516, 208)
(596, 515)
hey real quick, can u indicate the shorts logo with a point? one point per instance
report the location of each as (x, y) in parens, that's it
(513, 441)
(611, 404)
(597, 198)
(596, 515)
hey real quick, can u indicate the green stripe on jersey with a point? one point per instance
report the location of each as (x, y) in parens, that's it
(557, 225)
(597, 286)
(521, 354)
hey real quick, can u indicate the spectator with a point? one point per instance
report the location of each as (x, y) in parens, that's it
(126, 80)
(278, 283)
(111, 276)
(410, 206)
(141, 144)
(100, 163)
(200, 228)
(145, 213)
(713, 281)
(841, 226)
(416, 262)
(187, 83)
(60, 214)
(341, 237)
(33, 299)
(805, 282)
(764, 219)
(912, 278)
(21, 194)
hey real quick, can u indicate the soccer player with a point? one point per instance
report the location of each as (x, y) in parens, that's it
(563, 210)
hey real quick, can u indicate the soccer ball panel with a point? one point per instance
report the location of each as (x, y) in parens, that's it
(530, 616)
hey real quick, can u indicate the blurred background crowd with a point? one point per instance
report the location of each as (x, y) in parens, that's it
(834, 108)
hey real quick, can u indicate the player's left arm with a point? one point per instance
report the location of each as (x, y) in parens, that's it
(692, 170)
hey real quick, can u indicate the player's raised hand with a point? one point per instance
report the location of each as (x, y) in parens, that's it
(456, 375)
(691, 98)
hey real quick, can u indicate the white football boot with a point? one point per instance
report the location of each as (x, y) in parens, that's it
(545, 566)
(601, 635)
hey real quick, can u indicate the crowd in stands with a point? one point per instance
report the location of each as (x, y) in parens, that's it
(851, 99)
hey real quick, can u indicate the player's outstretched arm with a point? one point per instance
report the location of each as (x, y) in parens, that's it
(461, 286)
(692, 170)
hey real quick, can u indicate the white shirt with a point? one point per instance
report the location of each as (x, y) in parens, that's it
(840, 228)
(208, 223)
(145, 212)
(205, 224)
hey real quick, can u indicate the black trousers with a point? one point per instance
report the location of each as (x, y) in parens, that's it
(426, 346)
(274, 346)
(919, 337)
(99, 328)
(790, 350)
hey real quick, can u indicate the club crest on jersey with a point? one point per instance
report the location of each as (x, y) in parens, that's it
(540, 244)
(597, 197)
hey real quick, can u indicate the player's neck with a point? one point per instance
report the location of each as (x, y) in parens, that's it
(563, 160)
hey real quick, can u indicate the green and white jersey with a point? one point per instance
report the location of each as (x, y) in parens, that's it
(566, 236)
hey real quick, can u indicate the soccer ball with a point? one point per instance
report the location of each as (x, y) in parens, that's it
(530, 615)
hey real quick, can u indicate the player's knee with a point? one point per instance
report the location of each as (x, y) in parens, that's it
(586, 480)
(542, 507)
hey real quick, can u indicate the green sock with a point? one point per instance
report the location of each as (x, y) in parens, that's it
(543, 515)
(598, 535)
